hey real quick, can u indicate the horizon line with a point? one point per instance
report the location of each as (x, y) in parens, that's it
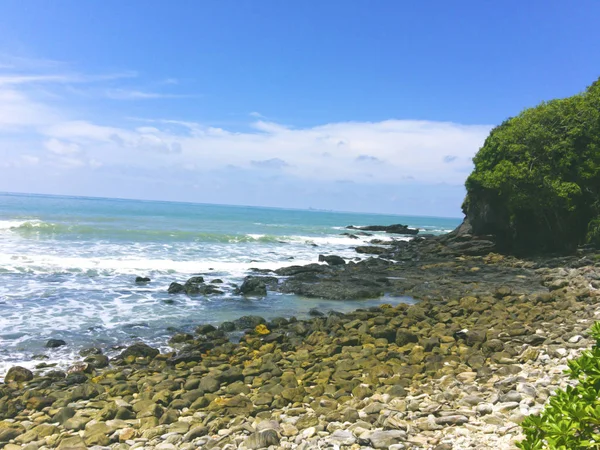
(308, 209)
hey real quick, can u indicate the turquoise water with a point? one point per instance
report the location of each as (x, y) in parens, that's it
(68, 264)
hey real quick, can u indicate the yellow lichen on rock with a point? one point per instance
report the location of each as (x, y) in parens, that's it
(261, 329)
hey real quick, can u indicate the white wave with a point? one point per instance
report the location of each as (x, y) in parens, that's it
(13, 224)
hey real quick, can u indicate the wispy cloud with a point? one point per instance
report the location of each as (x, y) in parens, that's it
(16, 79)
(127, 94)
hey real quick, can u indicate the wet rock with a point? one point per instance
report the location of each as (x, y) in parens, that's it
(395, 229)
(314, 312)
(371, 250)
(54, 343)
(175, 288)
(227, 327)
(332, 260)
(205, 329)
(248, 322)
(139, 349)
(90, 351)
(142, 280)
(18, 374)
(253, 287)
(97, 361)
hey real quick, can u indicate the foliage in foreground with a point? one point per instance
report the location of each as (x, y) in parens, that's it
(571, 420)
(536, 182)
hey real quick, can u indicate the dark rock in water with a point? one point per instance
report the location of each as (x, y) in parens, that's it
(253, 286)
(205, 329)
(371, 250)
(141, 280)
(395, 229)
(263, 271)
(54, 343)
(247, 322)
(207, 290)
(350, 235)
(314, 312)
(217, 281)
(227, 327)
(195, 280)
(333, 290)
(175, 288)
(332, 260)
(90, 351)
(295, 270)
(18, 374)
(193, 285)
(180, 338)
(139, 349)
(278, 322)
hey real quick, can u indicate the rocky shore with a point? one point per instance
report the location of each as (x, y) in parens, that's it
(485, 346)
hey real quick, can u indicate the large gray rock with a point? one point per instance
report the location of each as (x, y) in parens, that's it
(383, 439)
(262, 439)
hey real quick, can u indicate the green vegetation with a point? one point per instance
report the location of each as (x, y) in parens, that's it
(536, 183)
(571, 420)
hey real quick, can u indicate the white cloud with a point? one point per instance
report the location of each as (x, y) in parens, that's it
(62, 148)
(386, 151)
(18, 111)
(44, 132)
(30, 160)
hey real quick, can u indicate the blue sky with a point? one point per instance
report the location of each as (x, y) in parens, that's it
(347, 105)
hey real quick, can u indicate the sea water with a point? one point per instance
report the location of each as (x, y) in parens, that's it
(68, 267)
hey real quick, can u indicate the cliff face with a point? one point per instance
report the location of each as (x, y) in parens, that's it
(536, 182)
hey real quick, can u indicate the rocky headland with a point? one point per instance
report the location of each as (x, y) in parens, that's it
(485, 345)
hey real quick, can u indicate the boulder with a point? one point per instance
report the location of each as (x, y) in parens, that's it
(262, 439)
(175, 288)
(332, 260)
(248, 322)
(142, 280)
(18, 374)
(253, 286)
(54, 343)
(139, 349)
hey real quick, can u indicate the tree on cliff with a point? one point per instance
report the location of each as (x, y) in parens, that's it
(536, 182)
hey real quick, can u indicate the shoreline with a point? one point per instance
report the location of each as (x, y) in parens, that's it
(407, 376)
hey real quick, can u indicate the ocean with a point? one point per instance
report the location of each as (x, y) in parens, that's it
(68, 268)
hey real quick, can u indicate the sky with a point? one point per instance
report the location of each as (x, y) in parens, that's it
(350, 105)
